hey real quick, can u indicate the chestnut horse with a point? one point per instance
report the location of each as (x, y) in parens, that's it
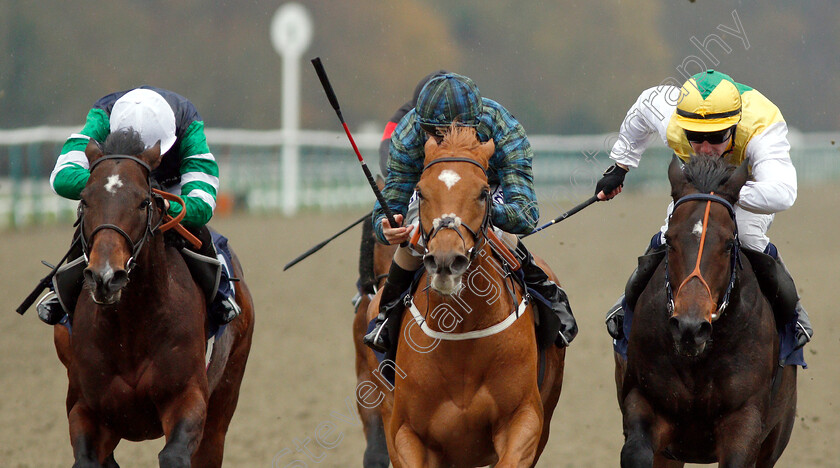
(702, 383)
(136, 356)
(466, 370)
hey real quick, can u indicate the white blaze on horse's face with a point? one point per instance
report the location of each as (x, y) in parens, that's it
(446, 284)
(113, 184)
(697, 230)
(449, 177)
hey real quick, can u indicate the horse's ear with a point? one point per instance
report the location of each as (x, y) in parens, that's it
(732, 187)
(93, 151)
(677, 178)
(430, 147)
(486, 151)
(151, 156)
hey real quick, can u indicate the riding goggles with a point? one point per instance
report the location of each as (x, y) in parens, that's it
(714, 138)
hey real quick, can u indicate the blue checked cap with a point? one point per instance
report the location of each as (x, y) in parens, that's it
(449, 98)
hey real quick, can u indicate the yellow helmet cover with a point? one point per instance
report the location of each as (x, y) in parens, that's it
(710, 101)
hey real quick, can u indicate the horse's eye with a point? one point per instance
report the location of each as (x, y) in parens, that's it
(145, 203)
(419, 194)
(730, 244)
(483, 196)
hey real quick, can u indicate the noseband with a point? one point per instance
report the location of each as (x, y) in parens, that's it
(454, 223)
(734, 255)
(154, 194)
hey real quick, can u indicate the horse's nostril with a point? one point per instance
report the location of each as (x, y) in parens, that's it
(704, 332)
(118, 280)
(430, 263)
(674, 324)
(459, 264)
(90, 277)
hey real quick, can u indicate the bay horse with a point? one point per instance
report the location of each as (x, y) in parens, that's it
(466, 389)
(136, 356)
(702, 381)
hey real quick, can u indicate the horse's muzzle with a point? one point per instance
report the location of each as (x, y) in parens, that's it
(690, 334)
(446, 270)
(106, 284)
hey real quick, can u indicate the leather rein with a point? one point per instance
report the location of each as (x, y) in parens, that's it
(162, 224)
(734, 253)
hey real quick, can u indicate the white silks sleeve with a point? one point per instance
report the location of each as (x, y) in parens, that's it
(647, 118)
(773, 185)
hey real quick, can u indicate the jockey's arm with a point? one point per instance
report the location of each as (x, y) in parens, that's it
(71, 171)
(512, 162)
(520, 212)
(774, 185)
(199, 177)
(646, 118)
(405, 165)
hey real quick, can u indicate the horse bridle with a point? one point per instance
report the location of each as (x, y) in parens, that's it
(450, 222)
(156, 196)
(734, 254)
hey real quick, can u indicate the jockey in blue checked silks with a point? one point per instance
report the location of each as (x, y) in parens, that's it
(446, 99)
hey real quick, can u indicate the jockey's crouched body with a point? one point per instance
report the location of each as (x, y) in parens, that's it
(713, 115)
(445, 99)
(187, 168)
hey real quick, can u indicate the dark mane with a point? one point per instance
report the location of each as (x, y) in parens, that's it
(706, 173)
(124, 141)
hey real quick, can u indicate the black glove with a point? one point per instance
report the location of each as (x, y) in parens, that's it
(613, 178)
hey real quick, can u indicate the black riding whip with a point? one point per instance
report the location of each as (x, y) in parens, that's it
(322, 244)
(325, 82)
(563, 216)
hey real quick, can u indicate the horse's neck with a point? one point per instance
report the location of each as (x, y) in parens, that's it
(485, 298)
(748, 306)
(151, 276)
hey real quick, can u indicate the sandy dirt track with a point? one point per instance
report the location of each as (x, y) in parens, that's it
(300, 373)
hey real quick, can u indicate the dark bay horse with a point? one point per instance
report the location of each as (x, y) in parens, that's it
(466, 392)
(702, 383)
(136, 356)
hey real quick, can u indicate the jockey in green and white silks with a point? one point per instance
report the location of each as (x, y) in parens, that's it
(187, 166)
(712, 114)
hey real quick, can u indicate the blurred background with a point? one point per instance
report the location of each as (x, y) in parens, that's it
(563, 67)
(568, 71)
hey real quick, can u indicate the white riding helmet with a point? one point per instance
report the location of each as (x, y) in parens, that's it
(148, 113)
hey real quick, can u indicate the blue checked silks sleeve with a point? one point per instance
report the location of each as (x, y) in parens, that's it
(510, 167)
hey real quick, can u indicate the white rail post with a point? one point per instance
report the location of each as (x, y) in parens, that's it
(291, 32)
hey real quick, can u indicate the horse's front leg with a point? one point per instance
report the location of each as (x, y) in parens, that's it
(738, 437)
(90, 441)
(645, 433)
(516, 442)
(183, 423)
(409, 451)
